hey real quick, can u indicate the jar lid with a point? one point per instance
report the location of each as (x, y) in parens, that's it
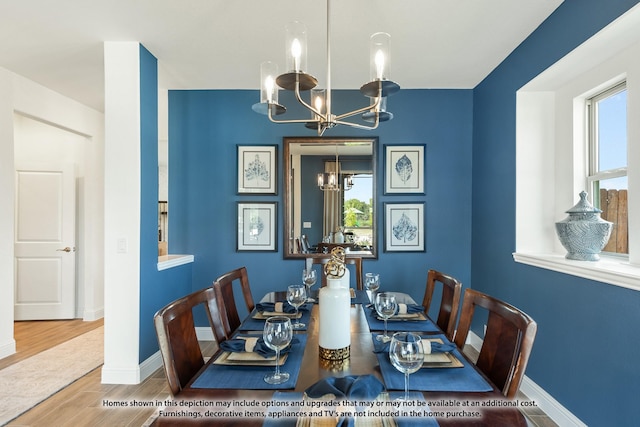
(583, 206)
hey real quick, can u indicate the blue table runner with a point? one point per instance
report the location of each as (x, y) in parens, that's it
(464, 379)
(274, 420)
(252, 377)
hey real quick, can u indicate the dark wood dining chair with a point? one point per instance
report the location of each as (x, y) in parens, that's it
(223, 286)
(306, 247)
(449, 303)
(357, 261)
(181, 354)
(507, 342)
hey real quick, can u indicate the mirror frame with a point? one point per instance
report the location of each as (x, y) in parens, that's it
(288, 243)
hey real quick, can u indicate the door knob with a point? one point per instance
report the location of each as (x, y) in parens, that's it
(67, 249)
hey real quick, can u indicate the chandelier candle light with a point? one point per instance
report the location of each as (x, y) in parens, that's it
(298, 80)
(335, 305)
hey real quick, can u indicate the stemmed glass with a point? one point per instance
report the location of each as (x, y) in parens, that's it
(407, 355)
(386, 307)
(297, 295)
(277, 335)
(309, 279)
(372, 284)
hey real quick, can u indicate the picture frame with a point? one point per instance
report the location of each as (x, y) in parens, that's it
(257, 169)
(404, 227)
(257, 222)
(404, 167)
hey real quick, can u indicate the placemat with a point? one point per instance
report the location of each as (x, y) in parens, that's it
(399, 325)
(465, 379)
(252, 377)
(251, 324)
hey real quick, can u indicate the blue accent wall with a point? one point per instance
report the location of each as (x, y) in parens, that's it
(587, 347)
(157, 288)
(206, 126)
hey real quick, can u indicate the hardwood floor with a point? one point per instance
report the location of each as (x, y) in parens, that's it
(32, 337)
(82, 404)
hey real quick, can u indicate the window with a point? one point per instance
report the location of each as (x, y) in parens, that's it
(607, 175)
(553, 157)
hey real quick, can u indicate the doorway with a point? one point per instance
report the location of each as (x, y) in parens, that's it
(53, 295)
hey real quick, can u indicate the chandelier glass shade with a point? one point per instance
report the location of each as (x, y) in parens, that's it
(297, 80)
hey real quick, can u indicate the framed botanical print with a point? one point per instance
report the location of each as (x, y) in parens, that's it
(404, 227)
(257, 173)
(257, 226)
(404, 169)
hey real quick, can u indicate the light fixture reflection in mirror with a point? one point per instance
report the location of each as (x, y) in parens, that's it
(312, 216)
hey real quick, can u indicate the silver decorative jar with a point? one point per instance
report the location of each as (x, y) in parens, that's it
(583, 233)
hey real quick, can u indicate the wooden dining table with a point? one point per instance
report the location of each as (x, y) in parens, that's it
(488, 408)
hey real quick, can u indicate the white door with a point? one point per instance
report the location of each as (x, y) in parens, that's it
(45, 243)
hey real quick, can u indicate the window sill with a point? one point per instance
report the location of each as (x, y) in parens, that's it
(608, 270)
(169, 261)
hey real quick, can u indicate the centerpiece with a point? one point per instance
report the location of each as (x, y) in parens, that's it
(335, 305)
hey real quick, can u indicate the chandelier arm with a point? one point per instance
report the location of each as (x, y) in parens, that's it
(359, 126)
(307, 106)
(290, 120)
(361, 110)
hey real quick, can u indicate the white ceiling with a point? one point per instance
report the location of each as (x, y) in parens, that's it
(219, 44)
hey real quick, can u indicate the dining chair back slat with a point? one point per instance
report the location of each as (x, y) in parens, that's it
(449, 303)
(223, 286)
(175, 329)
(356, 261)
(507, 342)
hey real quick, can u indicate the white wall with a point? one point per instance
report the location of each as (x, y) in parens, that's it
(7, 343)
(551, 154)
(20, 95)
(122, 213)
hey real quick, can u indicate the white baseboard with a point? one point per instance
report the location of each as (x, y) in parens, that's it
(91, 315)
(8, 348)
(554, 410)
(204, 333)
(551, 407)
(149, 366)
(120, 375)
(134, 375)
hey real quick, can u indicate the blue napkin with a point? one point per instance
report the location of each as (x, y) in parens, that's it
(436, 347)
(237, 345)
(357, 387)
(286, 307)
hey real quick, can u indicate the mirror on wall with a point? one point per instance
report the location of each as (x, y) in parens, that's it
(329, 196)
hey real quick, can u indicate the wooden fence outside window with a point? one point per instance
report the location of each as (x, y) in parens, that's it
(614, 208)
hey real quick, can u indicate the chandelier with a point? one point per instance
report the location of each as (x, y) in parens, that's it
(298, 80)
(330, 181)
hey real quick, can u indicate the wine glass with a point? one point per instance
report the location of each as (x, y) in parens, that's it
(372, 283)
(386, 307)
(297, 295)
(277, 335)
(309, 279)
(407, 355)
